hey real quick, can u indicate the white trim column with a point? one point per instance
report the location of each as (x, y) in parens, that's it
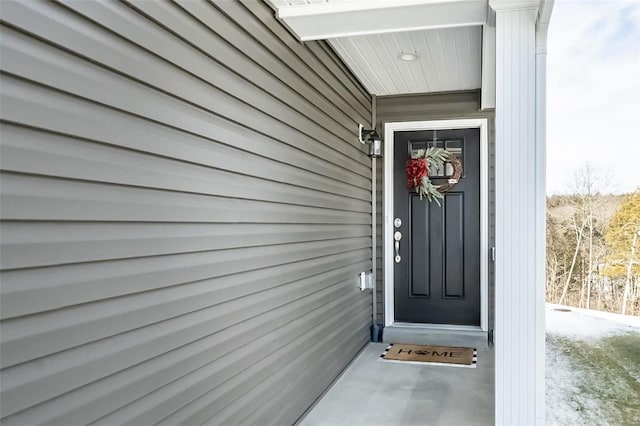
(520, 170)
(488, 92)
(541, 205)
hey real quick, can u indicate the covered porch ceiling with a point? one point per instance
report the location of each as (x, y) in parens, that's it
(448, 40)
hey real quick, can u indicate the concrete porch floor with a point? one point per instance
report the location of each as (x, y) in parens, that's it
(376, 393)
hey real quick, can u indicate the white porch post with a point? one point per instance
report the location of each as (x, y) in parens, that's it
(541, 205)
(520, 170)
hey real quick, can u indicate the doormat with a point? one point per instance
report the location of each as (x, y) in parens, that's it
(431, 355)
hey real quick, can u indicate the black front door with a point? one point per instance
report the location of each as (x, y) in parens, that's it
(437, 279)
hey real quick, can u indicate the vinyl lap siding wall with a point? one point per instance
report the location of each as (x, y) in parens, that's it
(437, 106)
(185, 212)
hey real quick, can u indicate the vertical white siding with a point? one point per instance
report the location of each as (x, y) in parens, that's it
(541, 217)
(518, 344)
(185, 210)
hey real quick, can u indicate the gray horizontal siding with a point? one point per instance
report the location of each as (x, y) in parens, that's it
(184, 214)
(436, 106)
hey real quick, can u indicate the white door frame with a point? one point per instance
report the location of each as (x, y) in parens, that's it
(389, 137)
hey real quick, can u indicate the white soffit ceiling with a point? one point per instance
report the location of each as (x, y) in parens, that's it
(369, 35)
(299, 2)
(448, 59)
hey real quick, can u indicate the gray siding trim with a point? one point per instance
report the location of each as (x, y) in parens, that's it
(185, 210)
(437, 106)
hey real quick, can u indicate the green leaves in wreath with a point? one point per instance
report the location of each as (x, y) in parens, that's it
(429, 190)
(436, 156)
(418, 172)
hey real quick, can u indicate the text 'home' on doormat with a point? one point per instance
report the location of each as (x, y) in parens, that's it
(431, 355)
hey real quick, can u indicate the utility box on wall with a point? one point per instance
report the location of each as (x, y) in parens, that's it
(366, 280)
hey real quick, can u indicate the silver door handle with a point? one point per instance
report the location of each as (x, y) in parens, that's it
(397, 236)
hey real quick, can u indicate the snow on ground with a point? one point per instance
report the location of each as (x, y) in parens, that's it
(592, 368)
(586, 323)
(561, 383)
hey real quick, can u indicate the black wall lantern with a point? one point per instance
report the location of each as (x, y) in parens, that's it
(372, 139)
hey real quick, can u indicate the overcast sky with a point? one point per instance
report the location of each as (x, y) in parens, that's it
(593, 91)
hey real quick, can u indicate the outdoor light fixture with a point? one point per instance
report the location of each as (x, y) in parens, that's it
(408, 56)
(372, 138)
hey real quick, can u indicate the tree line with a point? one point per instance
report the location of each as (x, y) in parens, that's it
(593, 248)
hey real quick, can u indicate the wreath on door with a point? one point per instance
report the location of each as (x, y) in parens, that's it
(418, 173)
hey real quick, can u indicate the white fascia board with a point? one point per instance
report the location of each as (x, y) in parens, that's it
(321, 21)
(507, 5)
(488, 92)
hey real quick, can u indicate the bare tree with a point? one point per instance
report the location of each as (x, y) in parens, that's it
(579, 231)
(586, 222)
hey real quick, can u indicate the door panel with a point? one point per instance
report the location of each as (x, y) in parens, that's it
(454, 245)
(438, 278)
(419, 279)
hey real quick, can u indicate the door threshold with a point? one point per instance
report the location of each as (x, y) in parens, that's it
(426, 326)
(436, 334)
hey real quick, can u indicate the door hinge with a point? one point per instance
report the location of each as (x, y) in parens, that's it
(493, 254)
